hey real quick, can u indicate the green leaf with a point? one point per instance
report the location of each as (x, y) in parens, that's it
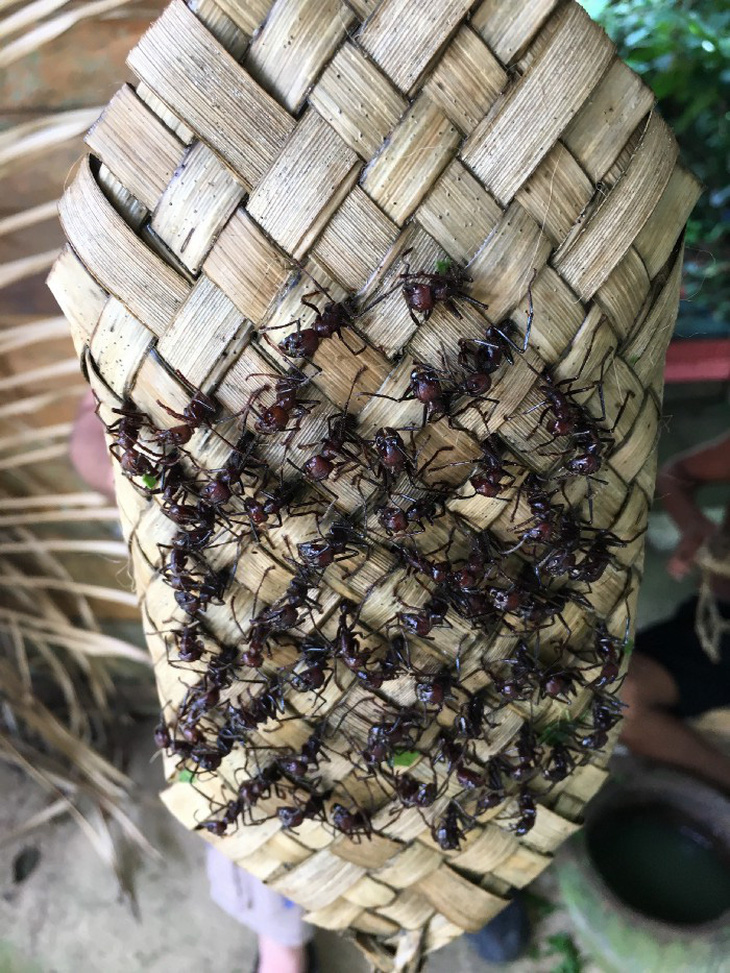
(557, 732)
(562, 944)
(149, 481)
(405, 758)
(185, 776)
(443, 266)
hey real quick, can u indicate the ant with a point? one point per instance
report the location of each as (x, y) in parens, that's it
(328, 323)
(200, 411)
(293, 816)
(560, 763)
(220, 489)
(208, 589)
(598, 555)
(354, 824)
(395, 520)
(425, 386)
(338, 544)
(528, 754)
(422, 621)
(189, 644)
(526, 813)
(296, 765)
(449, 830)
(385, 738)
(610, 652)
(423, 291)
(199, 700)
(134, 458)
(241, 720)
(492, 475)
(314, 675)
(493, 791)
(339, 451)
(412, 792)
(481, 357)
(285, 408)
(434, 690)
(470, 720)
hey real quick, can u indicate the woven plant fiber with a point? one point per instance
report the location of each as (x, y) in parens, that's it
(269, 151)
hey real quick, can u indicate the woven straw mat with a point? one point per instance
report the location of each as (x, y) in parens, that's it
(268, 151)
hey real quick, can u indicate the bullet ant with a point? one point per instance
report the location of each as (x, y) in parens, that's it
(396, 520)
(221, 488)
(526, 813)
(425, 386)
(528, 754)
(410, 791)
(421, 621)
(528, 677)
(194, 594)
(328, 323)
(134, 458)
(480, 357)
(285, 409)
(451, 828)
(611, 653)
(340, 543)
(294, 816)
(341, 449)
(266, 705)
(354, 824)
(471, 719)
(296, 765)
(493, 788)
(560, 763)
(598, 555)
(249, 794)
(423, 291)
(201, 410)
(435, 689)
(401, 732)
(491, 476)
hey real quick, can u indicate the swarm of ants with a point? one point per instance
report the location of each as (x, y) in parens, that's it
(434, 756)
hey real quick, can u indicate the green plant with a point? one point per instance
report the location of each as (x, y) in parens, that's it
(563, 945)
(682, 50)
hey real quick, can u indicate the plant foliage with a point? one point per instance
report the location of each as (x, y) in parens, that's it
(682, 50)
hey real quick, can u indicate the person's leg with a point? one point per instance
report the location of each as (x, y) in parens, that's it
(282, 933)
(651, 729)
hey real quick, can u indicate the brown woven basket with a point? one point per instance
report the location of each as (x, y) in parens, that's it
(271, 150)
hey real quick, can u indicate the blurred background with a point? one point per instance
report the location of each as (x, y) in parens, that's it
(94, 873)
